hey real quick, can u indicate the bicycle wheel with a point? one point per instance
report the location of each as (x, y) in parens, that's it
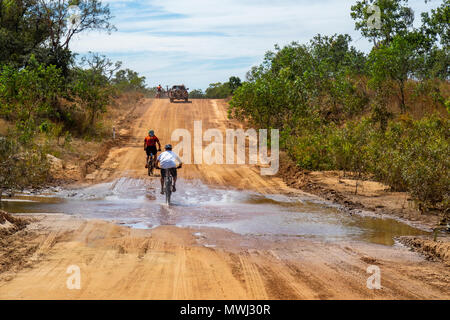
(168, 186)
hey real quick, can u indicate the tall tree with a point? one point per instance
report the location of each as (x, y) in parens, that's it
(235, 82)
(129, 80)
(66, 18)
(435, 37)
(101, 64)
(381, 20)
(436, 25)
(22, 30)
(45, 28)
(393, 63)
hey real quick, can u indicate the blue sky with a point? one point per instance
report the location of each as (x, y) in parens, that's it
(198, 42)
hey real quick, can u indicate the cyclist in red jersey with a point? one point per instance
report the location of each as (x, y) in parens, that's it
(159, 89)
(150, 142)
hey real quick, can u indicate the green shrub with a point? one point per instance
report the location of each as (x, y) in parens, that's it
(411, 155)
(92, 93)
(28, 96)
(313, 94)
(422, 158)
(21, 167)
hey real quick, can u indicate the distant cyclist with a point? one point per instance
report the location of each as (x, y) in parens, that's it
(150, 142)
(159, 89)
(167, 163)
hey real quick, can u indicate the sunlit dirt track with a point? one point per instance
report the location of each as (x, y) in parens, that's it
(170, 262)
(165, 117)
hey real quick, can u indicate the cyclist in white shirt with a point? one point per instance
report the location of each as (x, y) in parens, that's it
(167, 162)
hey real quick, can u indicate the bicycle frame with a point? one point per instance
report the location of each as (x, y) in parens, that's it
(151, 164)
(159, 94)
(168, 182)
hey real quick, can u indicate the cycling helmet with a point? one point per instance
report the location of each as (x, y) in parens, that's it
(151, 133)
(168, 147)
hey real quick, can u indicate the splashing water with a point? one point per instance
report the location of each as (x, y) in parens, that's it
(138, 203)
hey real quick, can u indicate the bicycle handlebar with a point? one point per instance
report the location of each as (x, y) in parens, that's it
(159, 168)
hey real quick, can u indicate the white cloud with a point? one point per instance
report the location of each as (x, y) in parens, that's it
(175, 41)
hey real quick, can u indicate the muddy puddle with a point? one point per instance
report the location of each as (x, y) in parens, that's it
(137, 203)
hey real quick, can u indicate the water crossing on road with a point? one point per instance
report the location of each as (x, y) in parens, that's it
(137, 203)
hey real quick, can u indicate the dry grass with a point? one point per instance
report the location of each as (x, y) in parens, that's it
(420, 103)
(4, 127)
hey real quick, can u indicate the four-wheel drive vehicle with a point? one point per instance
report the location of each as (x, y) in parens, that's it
(178, 92)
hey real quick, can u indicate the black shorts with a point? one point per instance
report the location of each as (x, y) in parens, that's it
(173, 172)
(151, 150)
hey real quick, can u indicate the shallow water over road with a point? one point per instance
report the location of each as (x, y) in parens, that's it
(137, 203)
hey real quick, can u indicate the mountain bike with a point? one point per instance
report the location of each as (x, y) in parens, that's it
(168, 183)
(151, 163)
(159, 94)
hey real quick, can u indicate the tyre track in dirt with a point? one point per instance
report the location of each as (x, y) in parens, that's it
(164, 118)
(170, 263)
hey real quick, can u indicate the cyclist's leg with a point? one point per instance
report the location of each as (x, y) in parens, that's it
(173, 172)
(148, 155)
(163, 174)
(153, 151)
(150, 160)
(155, 156)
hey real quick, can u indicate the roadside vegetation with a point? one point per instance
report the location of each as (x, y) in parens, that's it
(49, 96)
(382, 115)
(218, 90)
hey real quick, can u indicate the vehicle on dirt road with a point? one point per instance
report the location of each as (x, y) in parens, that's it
(178, 92)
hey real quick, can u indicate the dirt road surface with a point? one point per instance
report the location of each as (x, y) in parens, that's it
(169, 262)
(164, 118)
